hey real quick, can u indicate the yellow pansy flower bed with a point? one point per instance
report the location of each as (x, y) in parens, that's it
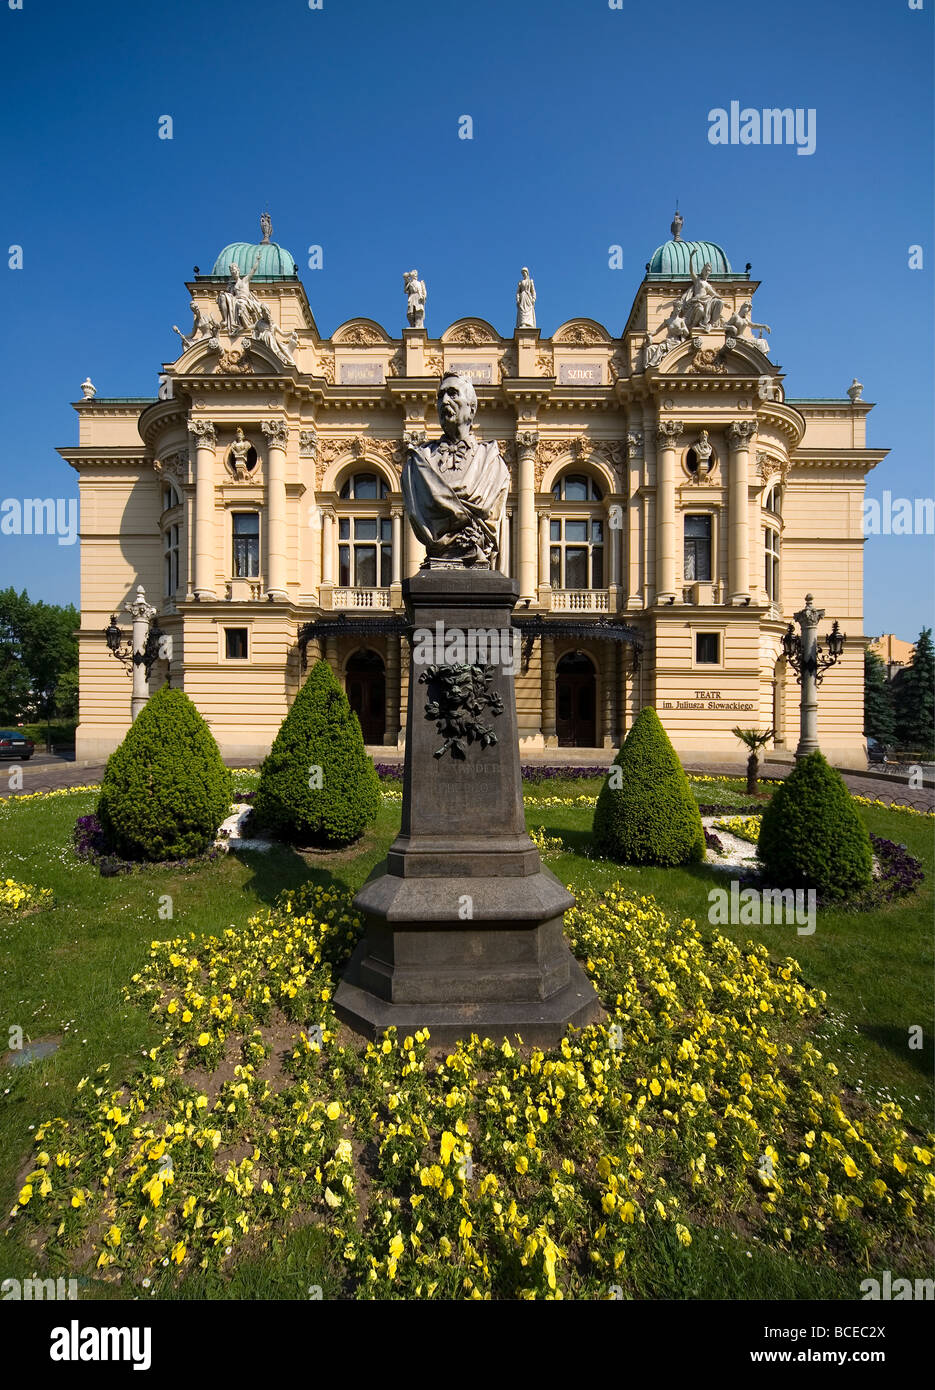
(493, 1170)
(17, 899)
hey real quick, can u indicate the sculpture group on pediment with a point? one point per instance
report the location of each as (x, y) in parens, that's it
(272, 336)
(239, 306)
(739, 322)
(204, 328)
(700, 305)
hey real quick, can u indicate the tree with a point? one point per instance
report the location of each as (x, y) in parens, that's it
(646, 813)
(38, 651)
(811, 835)
(878, 699)
(165, 790)
(914, 698)
(754, 740)
(317, 784)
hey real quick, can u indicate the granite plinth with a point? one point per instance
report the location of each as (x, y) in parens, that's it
(463, 924)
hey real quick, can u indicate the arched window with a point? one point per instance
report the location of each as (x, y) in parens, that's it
(773, 500)
(364, 487)
(170, 497)
(576, 487)
(576, 534)
(365, 533)
(170, 560)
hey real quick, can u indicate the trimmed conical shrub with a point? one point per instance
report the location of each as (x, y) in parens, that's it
(165, 789)
(317, 784)
(645, 812)
(811, 835)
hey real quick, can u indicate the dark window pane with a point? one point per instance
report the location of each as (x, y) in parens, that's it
(236, 643)
(597, 532)
(557, 491)
(698, 526)
(365, 487)
(344, 528)
(555, 567)
(597, 567)
(365, 564)
(246, 524)
(576, 530)
(707, 647)
(555, 530)
(246, 557)
(365, 528)
(386, 529)
(386, 566)
(576, 567)
(344, 566)
(576, 489)
(346, 490)
(384, 490)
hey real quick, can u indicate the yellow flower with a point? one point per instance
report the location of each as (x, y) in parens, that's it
(204, 1039)
(26, 1193)
(333, 1110)
(178, 1252)
(448, 1146)
(684, 1235)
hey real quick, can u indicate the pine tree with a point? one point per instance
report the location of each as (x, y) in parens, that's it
(317, 784)
(878, 700)
(914, 698)
(811, 835)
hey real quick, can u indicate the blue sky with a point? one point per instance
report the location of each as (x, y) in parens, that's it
(588, 124)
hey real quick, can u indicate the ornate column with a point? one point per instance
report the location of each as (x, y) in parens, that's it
(668, 433)
(277, 437)
(614, 534)
(634, 519)
(526, 444)
(739, 435)
(327, 546)
(391, 732)
(143, 614)
(544, 582)
(205, 439)
(549, 736)
(623, 661)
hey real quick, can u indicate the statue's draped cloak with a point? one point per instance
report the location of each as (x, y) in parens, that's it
(441, 503)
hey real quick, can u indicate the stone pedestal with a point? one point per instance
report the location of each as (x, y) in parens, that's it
(463, 923)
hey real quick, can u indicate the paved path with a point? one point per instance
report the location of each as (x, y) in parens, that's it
(50, 773)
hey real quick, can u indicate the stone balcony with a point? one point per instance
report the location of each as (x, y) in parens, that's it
(244, 590)
(360, 598)
(579, 601)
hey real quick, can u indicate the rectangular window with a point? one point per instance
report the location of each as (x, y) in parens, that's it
(344, 528)
(235, 643)
(707, 648)
(597, 567)
(698, 548)
(555, 530)
(576, 567)
(365, 528)
(344, 566)
(771, 552)
(246, 545)
(576, 530)
(555, 567)
(365, 565)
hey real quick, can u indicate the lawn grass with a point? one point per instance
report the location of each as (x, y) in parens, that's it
(63, 971)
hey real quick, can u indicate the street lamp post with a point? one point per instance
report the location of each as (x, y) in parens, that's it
(809, 662)
(148, 644)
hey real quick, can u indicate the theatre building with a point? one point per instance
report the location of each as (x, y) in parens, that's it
(670, 507)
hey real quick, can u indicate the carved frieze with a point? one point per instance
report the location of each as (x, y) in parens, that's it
(233, 363)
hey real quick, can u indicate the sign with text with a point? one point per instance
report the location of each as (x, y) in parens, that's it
(361, 373)
(480, 373)
(581, 374)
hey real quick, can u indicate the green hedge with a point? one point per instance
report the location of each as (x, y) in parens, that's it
(165, 790)
(317, 784)
(811, 835)
(652, 816)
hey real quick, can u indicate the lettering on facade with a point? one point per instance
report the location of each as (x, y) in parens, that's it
(481, 373)
(710, 700)
(581, 374)
(361, 373)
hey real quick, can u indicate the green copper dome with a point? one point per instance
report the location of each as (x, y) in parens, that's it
(671, 258)
(275, 260)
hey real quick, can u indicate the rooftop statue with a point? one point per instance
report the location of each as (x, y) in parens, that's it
(239, 306)
(416, 295)
(700, 306)
(740, 320)
(526, 301)
(454, 488)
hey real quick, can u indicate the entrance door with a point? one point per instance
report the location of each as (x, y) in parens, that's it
(575, 702)
(366, 693)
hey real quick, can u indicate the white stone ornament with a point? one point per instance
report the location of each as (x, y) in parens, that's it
(239, 306)
(855, 390)
(89, 390)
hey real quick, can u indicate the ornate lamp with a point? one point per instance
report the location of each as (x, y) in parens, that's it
(809, 662)
(118, 643)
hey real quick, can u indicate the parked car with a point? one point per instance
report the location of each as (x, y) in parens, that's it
(876, 751)
(13, 744)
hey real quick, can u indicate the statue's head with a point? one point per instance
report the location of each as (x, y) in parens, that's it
(235, 270)
(746, 307)
(706, 270)
(525, 272)
(239, 434)
(457, 402)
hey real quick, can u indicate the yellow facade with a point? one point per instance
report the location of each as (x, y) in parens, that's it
(651, 571)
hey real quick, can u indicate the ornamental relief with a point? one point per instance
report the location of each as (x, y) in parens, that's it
(581, 335)
(434, 363)
(508, 364)
(233, 363)
(545, 364)
(359, 335)
(470, 335)
(328, 451)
